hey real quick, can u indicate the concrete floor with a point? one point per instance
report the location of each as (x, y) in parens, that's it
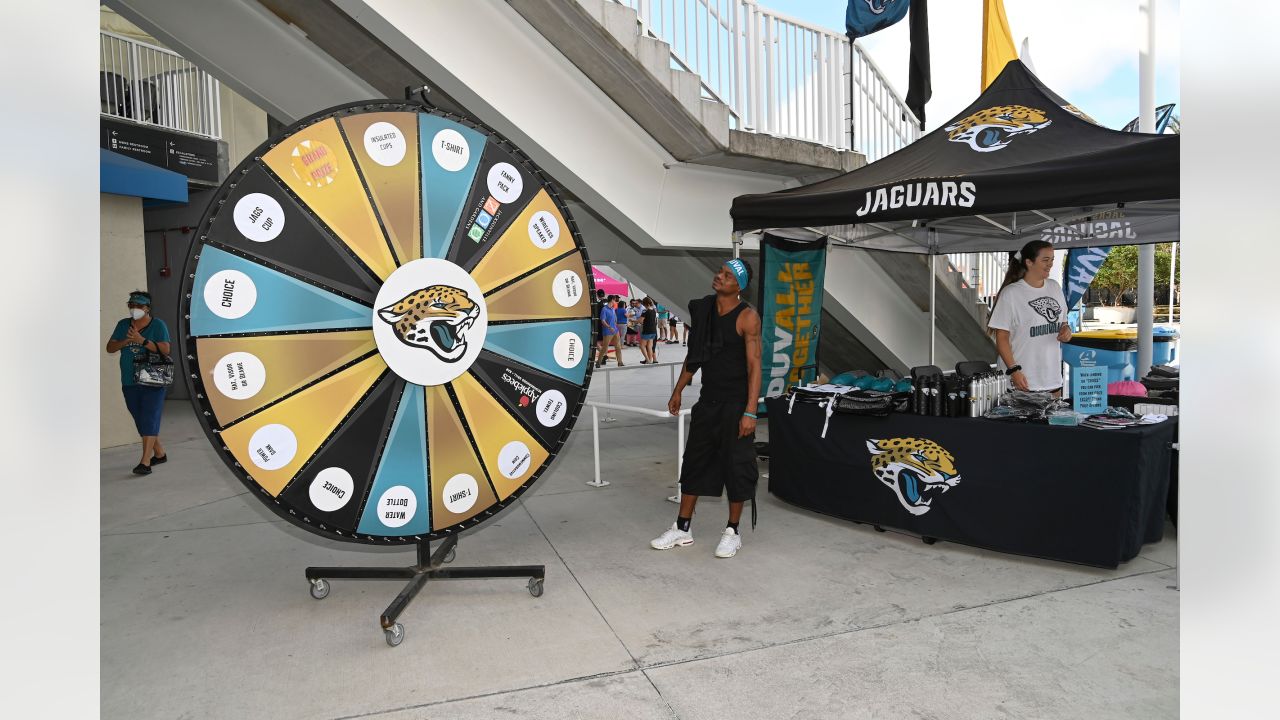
(205, 612)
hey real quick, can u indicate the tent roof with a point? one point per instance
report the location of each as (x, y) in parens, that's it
(1020, 163)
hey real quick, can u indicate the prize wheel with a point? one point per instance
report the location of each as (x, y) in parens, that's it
(386, 323)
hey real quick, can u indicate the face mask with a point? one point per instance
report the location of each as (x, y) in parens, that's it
(137, 313)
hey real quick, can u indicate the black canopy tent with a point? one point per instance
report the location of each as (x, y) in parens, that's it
(1019, 164)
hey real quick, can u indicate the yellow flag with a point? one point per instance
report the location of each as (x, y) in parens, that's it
(997, 41)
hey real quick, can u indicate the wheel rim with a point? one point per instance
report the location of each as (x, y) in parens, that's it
(297, 368)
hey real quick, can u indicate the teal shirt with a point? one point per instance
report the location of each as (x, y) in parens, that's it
(156, 331)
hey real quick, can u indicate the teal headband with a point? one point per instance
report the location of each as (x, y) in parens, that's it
(739, 270)
(139, 300)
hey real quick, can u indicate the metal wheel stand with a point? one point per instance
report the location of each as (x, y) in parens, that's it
(429, 567)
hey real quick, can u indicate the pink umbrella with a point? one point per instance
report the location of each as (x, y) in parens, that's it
(609, 285)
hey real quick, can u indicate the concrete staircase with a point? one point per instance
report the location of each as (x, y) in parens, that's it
(605, 41)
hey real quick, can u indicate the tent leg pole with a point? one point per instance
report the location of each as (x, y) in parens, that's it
(737, 244)
(933, 308)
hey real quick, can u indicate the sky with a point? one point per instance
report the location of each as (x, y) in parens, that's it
(1086, 50)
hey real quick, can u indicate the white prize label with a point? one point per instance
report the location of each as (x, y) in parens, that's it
(258, 217)
(552, 408)
(385, 143)
(544, 229)
(459, 493)
(514, 460)
(239, 375)
(505, 183)
(397, 506)
(331, 489)
(567, 288)
(450, 150)
(230, 294)
(568, 350)
(273, 446)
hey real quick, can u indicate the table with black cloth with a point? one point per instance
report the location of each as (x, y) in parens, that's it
(1063, 493)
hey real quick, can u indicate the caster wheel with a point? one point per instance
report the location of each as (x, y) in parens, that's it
(395, 634)
(320, 588)
(449, 556)
(929, 540)
(878, 528)
(535, 587)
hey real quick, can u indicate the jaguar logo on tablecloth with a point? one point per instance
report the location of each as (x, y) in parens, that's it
(916, 470)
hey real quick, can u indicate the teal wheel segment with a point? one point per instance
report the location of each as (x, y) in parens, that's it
(399, 503)
(560, 347)
(231, 294)
(451, 153)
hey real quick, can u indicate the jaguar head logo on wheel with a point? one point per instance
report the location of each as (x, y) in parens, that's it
(436, 318)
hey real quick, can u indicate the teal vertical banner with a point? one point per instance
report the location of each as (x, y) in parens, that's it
(791, 275)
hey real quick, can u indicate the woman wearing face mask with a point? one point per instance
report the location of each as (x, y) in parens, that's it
(1029, 321)
(134, 337)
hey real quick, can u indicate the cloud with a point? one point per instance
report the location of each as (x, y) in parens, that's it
(1076, 45)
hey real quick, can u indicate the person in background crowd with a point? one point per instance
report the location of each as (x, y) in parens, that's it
(1030, 321)
(673, 322)
(648, 332)
(133, 337)
(620, 319)
(634, 311)
(608, 331)
(663, 314)
(721, 450)
(596, 306)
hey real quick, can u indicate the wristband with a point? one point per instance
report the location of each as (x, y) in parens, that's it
(1012, 370)
(750, 415)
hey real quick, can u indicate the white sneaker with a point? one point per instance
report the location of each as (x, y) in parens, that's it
(673, 537)
(730, 543)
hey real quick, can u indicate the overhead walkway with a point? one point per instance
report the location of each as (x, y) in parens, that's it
(651, 159)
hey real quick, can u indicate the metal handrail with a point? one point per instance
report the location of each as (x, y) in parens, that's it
(984, 272)
(661, 414)
(781, 76)
(151, 85)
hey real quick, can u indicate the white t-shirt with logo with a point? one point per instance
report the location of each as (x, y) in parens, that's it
(1033, 316)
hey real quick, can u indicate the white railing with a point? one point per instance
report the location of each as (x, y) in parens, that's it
(982, 271)
(782, 76)
(154, 86)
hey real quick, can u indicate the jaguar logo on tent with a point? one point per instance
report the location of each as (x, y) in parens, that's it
(996, 127)
(917, 471)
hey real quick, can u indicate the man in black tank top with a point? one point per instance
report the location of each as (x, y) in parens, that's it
(720, 453)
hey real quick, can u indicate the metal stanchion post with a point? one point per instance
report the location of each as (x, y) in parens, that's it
(608, 396)
(679, 455)
(595, 443)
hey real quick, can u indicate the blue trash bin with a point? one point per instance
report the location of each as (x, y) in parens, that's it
(1112, 349)
(1164, 346)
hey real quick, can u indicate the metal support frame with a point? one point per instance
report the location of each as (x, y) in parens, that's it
(429, 567)
(933, 296)
(933, 309)
(1146, 124)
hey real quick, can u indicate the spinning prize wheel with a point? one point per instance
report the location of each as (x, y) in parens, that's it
(387, 322)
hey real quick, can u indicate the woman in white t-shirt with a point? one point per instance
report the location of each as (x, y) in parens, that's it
(1029, 321)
